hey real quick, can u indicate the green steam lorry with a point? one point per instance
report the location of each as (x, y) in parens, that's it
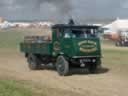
(67, 46)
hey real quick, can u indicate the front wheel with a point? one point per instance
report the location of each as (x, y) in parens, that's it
(62, 66)
(92, 68)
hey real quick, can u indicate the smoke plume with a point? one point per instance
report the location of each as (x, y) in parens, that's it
(63, 6)
(62, 9)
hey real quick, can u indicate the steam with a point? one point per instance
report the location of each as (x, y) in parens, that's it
(62, 9)
(58, 10)
(63, 6)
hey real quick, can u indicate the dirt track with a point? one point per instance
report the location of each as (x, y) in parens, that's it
(112, 80)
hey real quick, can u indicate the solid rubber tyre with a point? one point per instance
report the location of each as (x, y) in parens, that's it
(62, 66)
(32, 62)
(93, 68)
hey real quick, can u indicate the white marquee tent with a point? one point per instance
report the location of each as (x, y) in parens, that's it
(117, 25)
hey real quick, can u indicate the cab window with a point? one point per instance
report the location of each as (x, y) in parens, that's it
(80, 33)
(67, 33)
(85, 33)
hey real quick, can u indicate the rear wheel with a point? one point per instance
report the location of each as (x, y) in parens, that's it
(33, 62)
(62, 66)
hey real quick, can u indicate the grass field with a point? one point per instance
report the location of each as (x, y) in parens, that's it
(112, 55)
(10, 38)
(9, 41)
(9, 44)
(13, 88)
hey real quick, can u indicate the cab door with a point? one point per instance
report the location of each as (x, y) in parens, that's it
(56, 42)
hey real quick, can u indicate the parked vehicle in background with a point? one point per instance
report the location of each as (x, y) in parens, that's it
(122, 38)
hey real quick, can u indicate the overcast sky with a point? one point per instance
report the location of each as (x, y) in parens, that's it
(62, 9)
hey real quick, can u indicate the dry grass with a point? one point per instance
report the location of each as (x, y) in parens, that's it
(46, 82)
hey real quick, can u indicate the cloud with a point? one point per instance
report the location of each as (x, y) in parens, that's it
(61, 9)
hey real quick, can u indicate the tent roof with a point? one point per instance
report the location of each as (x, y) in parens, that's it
(119, 24)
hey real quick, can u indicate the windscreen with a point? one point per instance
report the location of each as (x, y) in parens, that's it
(80, 33)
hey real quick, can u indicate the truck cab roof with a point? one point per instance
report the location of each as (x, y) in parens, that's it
(62, 26)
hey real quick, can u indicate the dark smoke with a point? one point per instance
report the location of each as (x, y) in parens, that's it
(63, 9)
(63, 6)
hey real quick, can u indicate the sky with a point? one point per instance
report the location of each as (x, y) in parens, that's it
(63, 9)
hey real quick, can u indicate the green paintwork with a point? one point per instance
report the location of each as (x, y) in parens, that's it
(71, 47)
(67, 46)
(36, 48)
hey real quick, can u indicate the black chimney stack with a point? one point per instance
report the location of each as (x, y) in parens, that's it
(71, 22)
